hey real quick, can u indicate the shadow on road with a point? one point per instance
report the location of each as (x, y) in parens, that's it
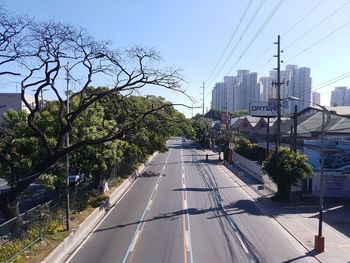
(307, 254)
(149, 174)
(166, 216)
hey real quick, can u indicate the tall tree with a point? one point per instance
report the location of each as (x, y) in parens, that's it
(53, 51)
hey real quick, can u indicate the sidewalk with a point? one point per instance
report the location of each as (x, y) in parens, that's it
(300, 217)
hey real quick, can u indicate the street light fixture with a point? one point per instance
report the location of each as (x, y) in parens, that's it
(319, 239)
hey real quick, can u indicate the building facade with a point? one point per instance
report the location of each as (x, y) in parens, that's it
(340, 96)
(218, 100)
(300, 87)
(12, 101)
(236, 92)
(316, 97)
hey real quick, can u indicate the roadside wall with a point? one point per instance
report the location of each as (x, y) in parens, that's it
(254, 169)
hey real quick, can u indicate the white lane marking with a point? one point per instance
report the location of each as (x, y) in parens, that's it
(105, 216)
(134, 241)
(187, 241)
(149, 204)
(188, 231)
(141, 221)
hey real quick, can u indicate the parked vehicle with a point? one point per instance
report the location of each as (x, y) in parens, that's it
(76, 177)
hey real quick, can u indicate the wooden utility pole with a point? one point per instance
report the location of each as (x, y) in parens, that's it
(203, 100)
(278, 85)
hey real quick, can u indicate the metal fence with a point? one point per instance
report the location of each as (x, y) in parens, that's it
(18, 234)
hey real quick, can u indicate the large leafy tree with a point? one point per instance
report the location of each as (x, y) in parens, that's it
(49, 52)
(285, 168)
(201, 127)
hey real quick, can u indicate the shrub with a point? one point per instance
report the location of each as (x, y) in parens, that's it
(53, 226)
(96, 200)
(116, 181)
(285, 169)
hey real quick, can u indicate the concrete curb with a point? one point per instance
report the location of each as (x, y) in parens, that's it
(72, 242)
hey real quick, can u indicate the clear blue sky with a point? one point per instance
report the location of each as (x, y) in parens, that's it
(192, 35)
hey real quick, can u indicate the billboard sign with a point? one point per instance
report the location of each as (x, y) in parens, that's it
(262, 109)
(336, 166)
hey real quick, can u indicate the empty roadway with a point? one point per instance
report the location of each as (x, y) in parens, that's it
(183, 209)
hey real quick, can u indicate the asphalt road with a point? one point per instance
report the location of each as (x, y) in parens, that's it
(183, 209)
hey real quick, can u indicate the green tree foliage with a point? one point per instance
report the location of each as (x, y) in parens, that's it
(285, 169)
(201, 127)
(248, 149)
(20, 148)
(45, 53)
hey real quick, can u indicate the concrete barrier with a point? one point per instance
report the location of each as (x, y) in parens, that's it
(254, 169)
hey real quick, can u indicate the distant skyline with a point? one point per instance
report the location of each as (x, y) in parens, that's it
(192, 35)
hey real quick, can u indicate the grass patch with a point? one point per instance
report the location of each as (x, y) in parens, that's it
(55, 233)
(115, 182)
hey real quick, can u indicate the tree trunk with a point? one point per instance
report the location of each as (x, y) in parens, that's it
(283, 192)
(10, 209)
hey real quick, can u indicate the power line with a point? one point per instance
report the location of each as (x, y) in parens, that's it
(303, 18)
(267, 20)
(318, 24)
(286, 33)
(327, 83)
(257, 10)
(319, 41)
(278, 5)
(230, 41)
(336, 80)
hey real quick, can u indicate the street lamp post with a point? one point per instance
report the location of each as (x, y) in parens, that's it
(67, 155)
(319, 239)
(68, 69)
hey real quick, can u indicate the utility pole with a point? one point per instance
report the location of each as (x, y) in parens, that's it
(67, 155)
(295, 131)
(203, 100)
(278, 124)
(278, 84)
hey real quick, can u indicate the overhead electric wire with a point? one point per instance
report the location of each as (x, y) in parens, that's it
(318, 24)
(300, 20)
(319, 41)
(328, 82)
(278, 5)
(230, 41)
(287, 32)
(267, 20)
(257, 10)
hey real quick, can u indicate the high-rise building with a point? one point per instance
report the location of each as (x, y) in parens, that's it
(265, 89)
(230, 83)
(340, 96)
(300, 87)
(316, 97)
(236, 92)
(218, 101)
(247, 89)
